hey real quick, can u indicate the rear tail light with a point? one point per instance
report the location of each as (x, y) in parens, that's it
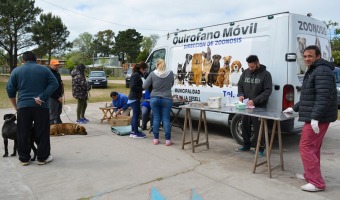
(288, 96)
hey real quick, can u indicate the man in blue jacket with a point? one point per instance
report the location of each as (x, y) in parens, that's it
(34, 84)
(121, 102)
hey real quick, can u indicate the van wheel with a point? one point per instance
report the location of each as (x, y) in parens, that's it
(236, 130)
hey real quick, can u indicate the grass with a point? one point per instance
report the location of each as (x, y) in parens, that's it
(96, 94)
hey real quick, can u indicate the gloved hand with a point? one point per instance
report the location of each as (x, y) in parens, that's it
(315, 126)
(289, 110)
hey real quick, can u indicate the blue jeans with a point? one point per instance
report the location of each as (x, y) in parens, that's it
(161, 109)
(135, 116)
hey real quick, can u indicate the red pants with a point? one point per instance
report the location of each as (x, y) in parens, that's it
(310, 145)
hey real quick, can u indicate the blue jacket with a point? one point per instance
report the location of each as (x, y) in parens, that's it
(31, 80)
(146, 97)
(120, 102)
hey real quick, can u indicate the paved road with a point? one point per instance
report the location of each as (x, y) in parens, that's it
(102, 165)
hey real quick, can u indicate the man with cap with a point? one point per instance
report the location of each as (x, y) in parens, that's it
(56, 98)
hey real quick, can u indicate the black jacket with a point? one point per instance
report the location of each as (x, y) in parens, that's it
(136, 83)
(318, 98)
(60, 90)
(256, 86)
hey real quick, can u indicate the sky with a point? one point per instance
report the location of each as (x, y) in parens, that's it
(160, 17)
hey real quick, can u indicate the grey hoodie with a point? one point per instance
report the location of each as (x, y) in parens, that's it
(161, 83)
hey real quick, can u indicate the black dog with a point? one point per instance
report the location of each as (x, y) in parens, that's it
(212, 76)
(9, 131)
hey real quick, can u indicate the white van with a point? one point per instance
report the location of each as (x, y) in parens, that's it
(208, 61)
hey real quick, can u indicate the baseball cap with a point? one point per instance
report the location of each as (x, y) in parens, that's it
(54, 62)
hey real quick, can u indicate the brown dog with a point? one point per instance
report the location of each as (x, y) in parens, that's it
(220, 78)
(67, 129)
(196, 68)
(226, 61)
(207, 62)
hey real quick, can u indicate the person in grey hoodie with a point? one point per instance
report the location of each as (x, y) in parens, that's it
(255, 84)
(160, 82)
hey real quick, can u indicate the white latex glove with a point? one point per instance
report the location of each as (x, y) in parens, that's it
(289, 110)
(315, 126)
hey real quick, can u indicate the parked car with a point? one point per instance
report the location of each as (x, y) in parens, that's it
(97, 79)
(128, 76)
(336, 72)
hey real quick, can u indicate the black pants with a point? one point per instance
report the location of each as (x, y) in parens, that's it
(40, 117)
(56, 108)
(247, 121)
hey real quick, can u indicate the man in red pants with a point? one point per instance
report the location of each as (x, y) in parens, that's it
(317, 108)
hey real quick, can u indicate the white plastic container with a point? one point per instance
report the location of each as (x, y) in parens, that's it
(214, 102)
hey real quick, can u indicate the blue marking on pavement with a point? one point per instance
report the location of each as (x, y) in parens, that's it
(195, 196)
(155, 195)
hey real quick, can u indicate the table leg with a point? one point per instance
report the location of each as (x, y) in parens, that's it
(267, 147)
(185, 127)
(199, 127)
(205, 128)
(191, 133)
(258, 144)
(280, 144)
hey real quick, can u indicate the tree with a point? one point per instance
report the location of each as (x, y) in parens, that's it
(85, 42)
(50, 34)
(146, 45)
(104, 42)
(16, 18)
(128, 42)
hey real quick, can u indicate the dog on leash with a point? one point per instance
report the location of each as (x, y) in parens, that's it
(9, 131)
(67, 129)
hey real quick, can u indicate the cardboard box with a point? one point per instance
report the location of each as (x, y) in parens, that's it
(120, 120)
(214, 102)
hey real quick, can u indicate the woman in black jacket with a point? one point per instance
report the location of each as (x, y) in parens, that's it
(135, 95)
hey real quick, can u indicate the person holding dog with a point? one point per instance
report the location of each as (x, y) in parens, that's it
(255, 84)
(317, 109)
(56, 99)
(120, 101)
(34, 84)
(80, 90)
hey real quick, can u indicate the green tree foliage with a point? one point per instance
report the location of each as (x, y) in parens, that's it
(85, 42)
(128, 42)
(16, 18)
(50, 34)
(104, 42)
(146, 45)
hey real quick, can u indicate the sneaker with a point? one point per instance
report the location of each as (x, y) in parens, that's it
(81, 121)
(300, 176)
(132, 134)
(155, 141)
(24, 163)
(310, 188)
(139, 135)
(48, 160)
(168, 142)
(85, 120)
(260, 154)
(242, 149)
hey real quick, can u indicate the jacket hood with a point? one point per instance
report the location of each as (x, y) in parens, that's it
(162, 74)
(261, 69)
(324, 62)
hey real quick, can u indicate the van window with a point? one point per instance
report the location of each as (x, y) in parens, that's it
(152, 60)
